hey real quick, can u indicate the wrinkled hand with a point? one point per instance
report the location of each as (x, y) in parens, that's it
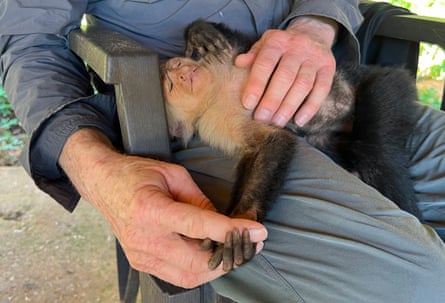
(154, 208)
(291, 71)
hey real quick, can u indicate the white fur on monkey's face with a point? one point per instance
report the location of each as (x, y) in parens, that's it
(184, 80)
(186, 84)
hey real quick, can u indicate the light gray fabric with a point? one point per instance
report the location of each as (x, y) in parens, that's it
(332, 238)
(428, 163)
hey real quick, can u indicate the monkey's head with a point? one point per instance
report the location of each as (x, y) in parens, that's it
(193, 90)
(189, 87)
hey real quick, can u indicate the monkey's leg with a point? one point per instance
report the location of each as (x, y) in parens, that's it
(390, 178)
(260, 176)
(384, 121)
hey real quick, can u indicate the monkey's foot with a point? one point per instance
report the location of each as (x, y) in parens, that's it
(235, 251)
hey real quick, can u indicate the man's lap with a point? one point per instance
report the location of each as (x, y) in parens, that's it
(428, 164)
(332, 238)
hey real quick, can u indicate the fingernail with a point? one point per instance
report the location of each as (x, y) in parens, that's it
(258, 235)
(302, 119)
(263, 115)
(250, 102)
(279, 121)
(259, 247)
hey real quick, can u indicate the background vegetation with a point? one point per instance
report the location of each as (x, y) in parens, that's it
(431, 75)
(12, 136)
(431, 72)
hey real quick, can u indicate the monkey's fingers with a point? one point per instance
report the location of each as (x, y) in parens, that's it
(238, 246)
(216, 257)
(236, 250)
(249, 248)
(228, 252)
(243, 248)
(207, 244)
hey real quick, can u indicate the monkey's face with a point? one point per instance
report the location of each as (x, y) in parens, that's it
(186, 86)
(185, 83)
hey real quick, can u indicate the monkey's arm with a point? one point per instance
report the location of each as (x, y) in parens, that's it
(260, 176)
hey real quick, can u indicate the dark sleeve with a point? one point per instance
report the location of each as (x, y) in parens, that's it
(98, 111)
(345, 12)
(48, 86)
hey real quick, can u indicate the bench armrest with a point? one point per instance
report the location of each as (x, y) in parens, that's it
(134, 71)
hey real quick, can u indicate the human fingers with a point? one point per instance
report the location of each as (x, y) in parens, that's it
(316, 97)
(160, 245)
(201, 221)
(173, 227)
(178, 276)
(183, 189)
(245, 60)
(263, 58)
(288, 88)
(151, 251)
(197, 223)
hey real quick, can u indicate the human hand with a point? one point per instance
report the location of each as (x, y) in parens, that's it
(291, 71)
(154, 208)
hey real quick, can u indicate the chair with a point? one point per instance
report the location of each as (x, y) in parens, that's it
(133, 70)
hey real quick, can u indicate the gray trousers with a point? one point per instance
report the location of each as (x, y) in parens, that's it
(332, 238)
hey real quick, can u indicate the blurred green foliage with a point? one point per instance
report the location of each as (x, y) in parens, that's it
(12, 136)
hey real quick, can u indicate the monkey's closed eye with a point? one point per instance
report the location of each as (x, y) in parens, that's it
(169, 83)
(170, 86)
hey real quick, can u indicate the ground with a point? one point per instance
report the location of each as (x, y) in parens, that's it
(48, 254)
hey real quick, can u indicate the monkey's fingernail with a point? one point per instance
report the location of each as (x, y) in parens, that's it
(250, 102)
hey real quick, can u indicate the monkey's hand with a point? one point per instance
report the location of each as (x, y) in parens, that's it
(235, 251)
(206, 42)
(237, 248)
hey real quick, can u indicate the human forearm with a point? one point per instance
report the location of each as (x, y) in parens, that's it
(83, 158)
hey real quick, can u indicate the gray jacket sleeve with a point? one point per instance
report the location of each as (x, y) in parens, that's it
(44, 79)
(345, 12)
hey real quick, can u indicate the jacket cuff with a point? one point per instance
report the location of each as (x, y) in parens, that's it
(41, 156)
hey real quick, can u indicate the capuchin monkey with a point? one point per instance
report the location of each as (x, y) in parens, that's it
(364, 125)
